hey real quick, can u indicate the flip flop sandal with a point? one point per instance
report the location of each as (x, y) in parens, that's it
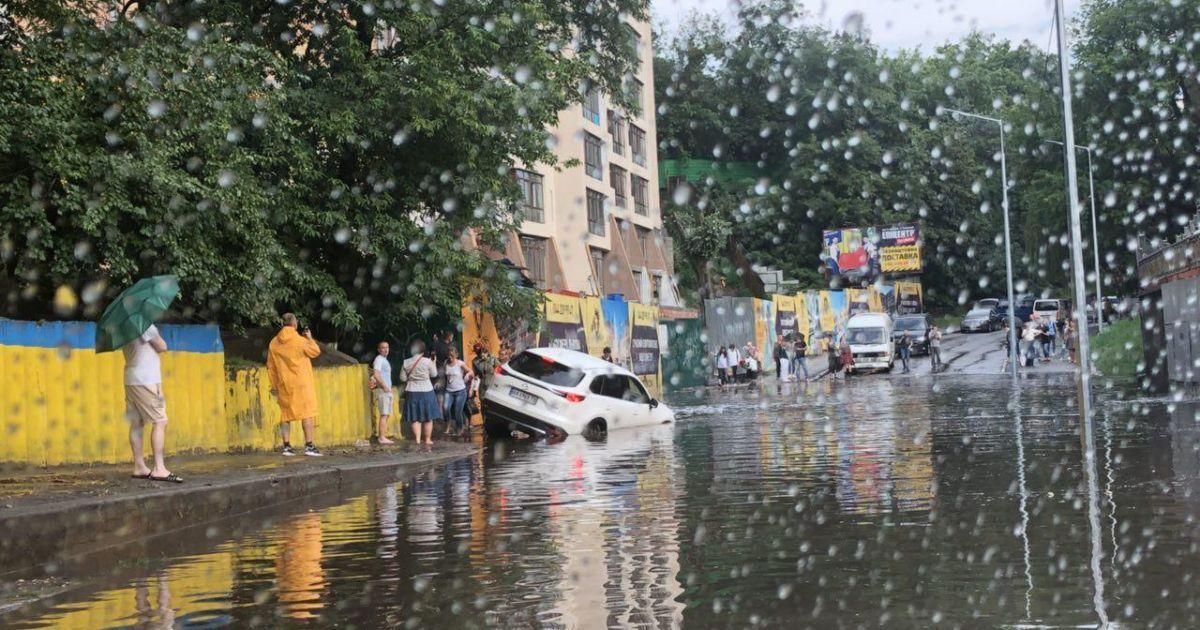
(145, 476)
(171, 478)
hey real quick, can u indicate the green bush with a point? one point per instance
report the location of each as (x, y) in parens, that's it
(1118, 350)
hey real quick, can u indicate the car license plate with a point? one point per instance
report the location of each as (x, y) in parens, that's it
(522, 395)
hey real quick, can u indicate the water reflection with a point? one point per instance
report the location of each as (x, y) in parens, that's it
(874, 502)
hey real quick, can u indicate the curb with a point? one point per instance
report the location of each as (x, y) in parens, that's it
(78, 534)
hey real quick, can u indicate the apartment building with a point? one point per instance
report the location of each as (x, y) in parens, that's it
(596, 228)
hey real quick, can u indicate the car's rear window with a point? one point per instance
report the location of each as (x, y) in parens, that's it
(910, 324)
(545, 369)
(1045, 306)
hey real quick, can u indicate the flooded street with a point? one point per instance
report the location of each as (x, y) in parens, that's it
(882, 501)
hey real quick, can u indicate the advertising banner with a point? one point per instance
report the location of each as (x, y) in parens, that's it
(785, 316)
(645, 352)
(478, 326)
(841, 312)
(908, 298)
(803, 321)
(564, 325)
(615, 311)
(595, 331)
(900, 248)
(875, 299)
(857, 302)
(827, 314)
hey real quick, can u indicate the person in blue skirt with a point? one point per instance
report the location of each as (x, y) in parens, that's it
(420, 403)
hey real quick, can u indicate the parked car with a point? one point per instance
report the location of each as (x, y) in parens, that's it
(870, 339)
(917, 327)
(979, 320)
(987, 303)
(554, 392)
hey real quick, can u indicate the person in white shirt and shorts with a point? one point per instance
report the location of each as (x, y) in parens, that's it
(381, 375)
(144, 403)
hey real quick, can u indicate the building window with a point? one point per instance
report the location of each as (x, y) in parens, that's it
(532, 200)
(635, 90)
(595, 212)
(598, 270)
(641, 202)
(591, 157)
(637, 144)
(616, 176)
(591, 105)
(535, 259)
(635, 45)
(637, 285)
(656, 287)
(643, 236)
(616, 131)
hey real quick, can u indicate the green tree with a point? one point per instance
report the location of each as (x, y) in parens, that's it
(324, 157)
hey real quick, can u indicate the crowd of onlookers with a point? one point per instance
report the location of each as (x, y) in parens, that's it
(1041, 339)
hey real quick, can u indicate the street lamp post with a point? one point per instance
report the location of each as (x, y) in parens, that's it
(1095, 234)
(1008, 264)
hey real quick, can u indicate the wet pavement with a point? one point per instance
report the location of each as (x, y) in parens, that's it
(911, 502)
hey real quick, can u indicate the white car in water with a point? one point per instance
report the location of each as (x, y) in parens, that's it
(553, 392)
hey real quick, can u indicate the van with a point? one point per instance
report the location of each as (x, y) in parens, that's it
(1049, 309)
(870, 339)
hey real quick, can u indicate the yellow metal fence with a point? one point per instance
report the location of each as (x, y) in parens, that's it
(64, 405)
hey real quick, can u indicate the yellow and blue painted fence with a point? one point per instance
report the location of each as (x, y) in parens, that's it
(62, 403)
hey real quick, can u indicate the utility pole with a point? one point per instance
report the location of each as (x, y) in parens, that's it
(1087, 432)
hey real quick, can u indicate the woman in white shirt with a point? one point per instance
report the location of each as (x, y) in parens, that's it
(722, 366)
(458, 379)
(420, 403)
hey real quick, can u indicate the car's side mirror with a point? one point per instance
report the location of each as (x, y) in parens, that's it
(654, 403)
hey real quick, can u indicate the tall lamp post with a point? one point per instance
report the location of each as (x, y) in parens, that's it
(1008, 264)
(1095, 234)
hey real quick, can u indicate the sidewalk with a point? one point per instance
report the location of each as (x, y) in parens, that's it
(53, 519)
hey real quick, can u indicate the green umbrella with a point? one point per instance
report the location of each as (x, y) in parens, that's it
(132, 313)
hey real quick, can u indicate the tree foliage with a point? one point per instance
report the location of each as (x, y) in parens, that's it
(328, 157)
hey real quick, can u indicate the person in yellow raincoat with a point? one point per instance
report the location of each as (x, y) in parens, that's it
(289, 365)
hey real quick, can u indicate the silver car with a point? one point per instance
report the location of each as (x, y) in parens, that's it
(979, 320)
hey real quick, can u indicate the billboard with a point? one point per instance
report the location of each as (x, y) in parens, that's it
(564, 324)
(844, 252)
(899, 248)
(645, 351)
(865, 253)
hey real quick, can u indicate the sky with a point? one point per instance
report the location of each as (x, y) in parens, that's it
(897, 24)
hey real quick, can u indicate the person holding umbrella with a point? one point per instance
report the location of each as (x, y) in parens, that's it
(289, 365)
(128, 323)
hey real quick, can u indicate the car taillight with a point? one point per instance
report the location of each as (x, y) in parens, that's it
(574, 397)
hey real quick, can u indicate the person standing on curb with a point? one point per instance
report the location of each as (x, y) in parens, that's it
(800, 360)
(441, 353)
(905, 347)
(381, 375)
(144, 403)
(458, 387)
(935, 349)
(420, 403)
(289, 366)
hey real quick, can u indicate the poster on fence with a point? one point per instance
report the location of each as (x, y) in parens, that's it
(564, 325)
(785, 316)
(596, 332)
(645, 346)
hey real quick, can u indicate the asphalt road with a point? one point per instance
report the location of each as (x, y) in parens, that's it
(975, 353)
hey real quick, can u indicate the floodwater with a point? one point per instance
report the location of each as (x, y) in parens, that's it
(878, 502)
